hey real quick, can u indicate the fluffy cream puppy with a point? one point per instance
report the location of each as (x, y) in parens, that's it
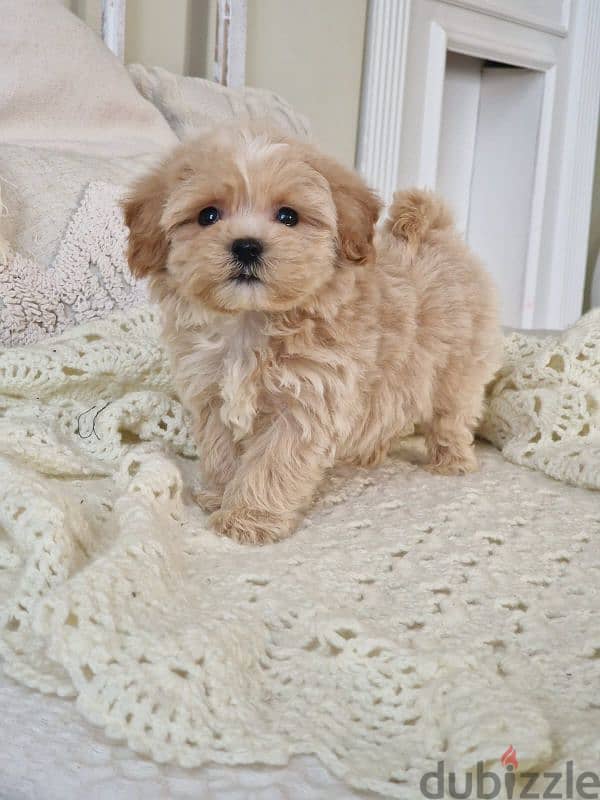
(299, 336)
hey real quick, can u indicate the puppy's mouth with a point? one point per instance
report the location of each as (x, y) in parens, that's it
(246, 273)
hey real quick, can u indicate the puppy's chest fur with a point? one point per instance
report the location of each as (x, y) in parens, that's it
(223, 355)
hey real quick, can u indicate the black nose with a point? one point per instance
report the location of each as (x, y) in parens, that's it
(247, 251)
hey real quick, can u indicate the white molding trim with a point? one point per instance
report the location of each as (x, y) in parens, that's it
(463, 41)
(230, 46)
(442, 39)
(113, 26)
(570, 243)
(477, 45)
(523, 17)
(378, 150)
(432, 114)
(532, 277)
(404, 70)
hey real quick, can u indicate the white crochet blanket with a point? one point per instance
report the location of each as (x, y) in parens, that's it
(413, 618)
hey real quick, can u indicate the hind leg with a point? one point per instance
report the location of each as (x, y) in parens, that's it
(449, 432)
(449, 442)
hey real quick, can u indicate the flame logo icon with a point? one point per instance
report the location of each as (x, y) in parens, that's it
(509, 757)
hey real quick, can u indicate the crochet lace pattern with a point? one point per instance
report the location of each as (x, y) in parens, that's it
(544, 407)
(88, 278)
(412, 618)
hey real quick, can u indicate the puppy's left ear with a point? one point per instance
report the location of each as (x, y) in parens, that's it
(357, 209)
(143, 208)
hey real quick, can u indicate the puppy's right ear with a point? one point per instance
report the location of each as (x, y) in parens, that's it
(143, 208)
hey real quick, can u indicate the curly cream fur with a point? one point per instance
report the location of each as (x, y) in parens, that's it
(348, 338)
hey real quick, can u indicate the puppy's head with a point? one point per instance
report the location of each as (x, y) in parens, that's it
(245, 220)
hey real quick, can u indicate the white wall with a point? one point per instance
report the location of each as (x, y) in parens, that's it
(310, 52)
(175, 34)
(156, 33)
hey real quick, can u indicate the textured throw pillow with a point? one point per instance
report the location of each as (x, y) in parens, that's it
(87, 279)
(42, 188)
(190, 104)
(69, 115)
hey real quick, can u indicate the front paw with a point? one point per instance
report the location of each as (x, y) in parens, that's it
(247, 526)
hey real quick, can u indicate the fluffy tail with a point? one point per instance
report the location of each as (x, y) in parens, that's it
(415, 213)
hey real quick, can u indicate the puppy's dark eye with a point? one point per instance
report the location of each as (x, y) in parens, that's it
(208, 216)
(287, 216)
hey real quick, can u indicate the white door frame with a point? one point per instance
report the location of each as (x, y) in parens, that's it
(401, 109)
(113, 26)
(230, 46)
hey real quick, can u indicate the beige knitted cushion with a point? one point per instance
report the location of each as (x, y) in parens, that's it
(190, 104)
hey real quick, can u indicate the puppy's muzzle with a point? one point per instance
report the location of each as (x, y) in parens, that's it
(247, 254)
